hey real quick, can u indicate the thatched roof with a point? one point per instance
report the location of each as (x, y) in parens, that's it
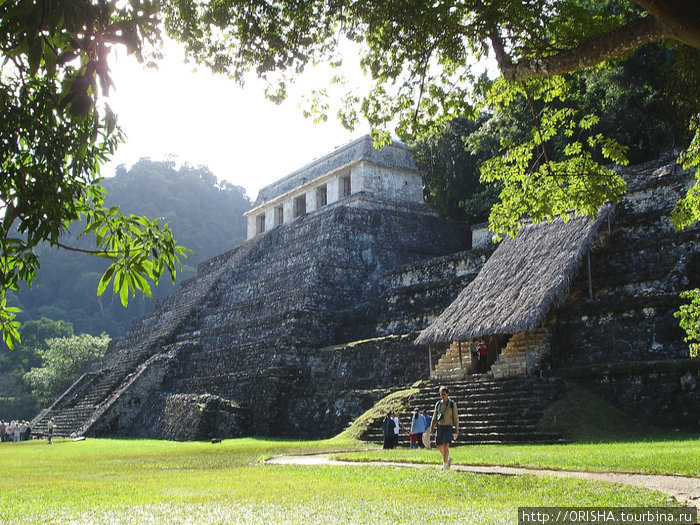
(518, 283)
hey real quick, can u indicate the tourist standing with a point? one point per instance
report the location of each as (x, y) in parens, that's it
(426, 434)
(417, 428)
(396, 429)
(446, 420)
(50, 427)
(388, 431)
(483, 356)
(473, 358)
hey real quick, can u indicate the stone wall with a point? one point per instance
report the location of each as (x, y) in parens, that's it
(638, 270)
(412, 296)
(184, 417)
(342, 382)
(662, 393)
(308, 393)
(391, 184)
(625, 343)
(482, 237)
(308, 282)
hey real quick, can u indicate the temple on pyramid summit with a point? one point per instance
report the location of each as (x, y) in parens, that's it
(349, 288)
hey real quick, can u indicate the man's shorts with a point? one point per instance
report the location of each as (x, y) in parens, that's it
(444, 434)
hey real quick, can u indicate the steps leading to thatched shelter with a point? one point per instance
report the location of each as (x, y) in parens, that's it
(491, 411)
(523, 354)
(455, 364)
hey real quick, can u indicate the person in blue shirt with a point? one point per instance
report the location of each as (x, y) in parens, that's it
(417, 428)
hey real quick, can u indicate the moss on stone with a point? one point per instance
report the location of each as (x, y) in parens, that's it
(582, 416)
(394, 402)
(354, 344)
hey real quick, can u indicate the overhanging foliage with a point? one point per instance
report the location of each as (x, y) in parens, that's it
(54, 136)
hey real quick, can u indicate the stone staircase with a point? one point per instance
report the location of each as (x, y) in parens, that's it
(245, 323)
(522, 355)
(455, 364)
(79, 403)
(491, 411)
(91, 395)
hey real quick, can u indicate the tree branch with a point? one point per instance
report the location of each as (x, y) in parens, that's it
(679, 17)
(106, 253)
(424, 67)
(604, 47)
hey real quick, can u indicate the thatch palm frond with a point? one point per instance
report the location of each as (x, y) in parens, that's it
(520, 281)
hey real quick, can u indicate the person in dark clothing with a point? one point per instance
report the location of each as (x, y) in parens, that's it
(473, 358)
(483, 356)
(388, 431)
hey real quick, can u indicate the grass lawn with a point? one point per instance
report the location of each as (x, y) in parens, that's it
(143, 481)
(679, 455)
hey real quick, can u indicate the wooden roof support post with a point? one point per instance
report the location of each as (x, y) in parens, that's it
(527, 353)
(459, 343)
(430, 358)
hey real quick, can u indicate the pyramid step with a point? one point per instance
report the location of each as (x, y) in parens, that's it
(491, 410)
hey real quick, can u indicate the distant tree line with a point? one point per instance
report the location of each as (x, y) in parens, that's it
(64, 324)
(205, 215)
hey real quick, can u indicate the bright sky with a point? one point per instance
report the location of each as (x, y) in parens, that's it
(208, 119)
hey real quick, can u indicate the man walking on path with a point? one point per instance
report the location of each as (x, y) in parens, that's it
(446, 419)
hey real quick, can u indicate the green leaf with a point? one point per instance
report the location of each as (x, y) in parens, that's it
(36, 52)
(104, 280)
(124, 293)
(689, 315)
(141, 284)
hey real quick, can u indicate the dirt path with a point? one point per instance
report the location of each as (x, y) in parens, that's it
(683, 489)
